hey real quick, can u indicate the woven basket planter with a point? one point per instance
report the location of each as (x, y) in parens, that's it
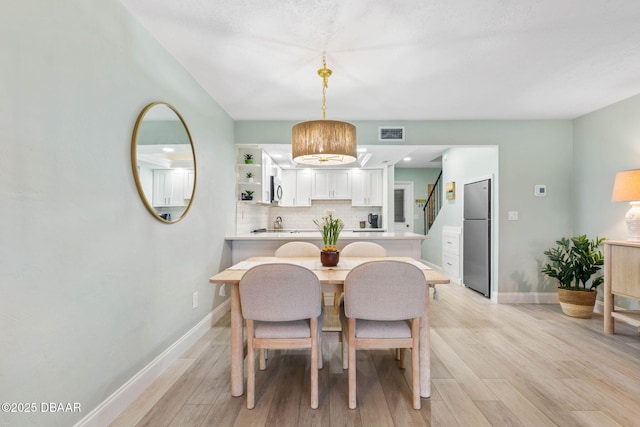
(577, 303)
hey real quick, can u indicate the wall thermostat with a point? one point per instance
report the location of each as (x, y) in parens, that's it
(540, 190)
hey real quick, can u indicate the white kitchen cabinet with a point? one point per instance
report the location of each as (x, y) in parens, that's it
(331, 184)
(296, 187)
(168, 187)
(289, 185)
(451, 252)
(303, 188)
(189, 183)
(269, 169)
(366, 187)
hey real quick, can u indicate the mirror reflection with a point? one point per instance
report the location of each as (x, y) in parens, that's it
(163, 161)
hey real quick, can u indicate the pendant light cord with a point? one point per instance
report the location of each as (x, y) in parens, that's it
(324, 72)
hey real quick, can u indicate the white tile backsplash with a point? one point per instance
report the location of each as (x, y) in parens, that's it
(250, 216)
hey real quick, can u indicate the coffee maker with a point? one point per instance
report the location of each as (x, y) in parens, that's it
(373, 221)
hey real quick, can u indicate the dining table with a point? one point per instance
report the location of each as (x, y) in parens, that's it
(331, 280)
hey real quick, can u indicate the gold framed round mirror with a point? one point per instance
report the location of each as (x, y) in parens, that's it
(164, 162)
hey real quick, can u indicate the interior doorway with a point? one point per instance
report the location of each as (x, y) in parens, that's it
(403, 206)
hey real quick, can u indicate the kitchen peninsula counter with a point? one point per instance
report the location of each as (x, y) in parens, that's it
(244, 246)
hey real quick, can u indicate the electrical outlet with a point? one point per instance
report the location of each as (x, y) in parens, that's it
(195, 299)
(513, 215)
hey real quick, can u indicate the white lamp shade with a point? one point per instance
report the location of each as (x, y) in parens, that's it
(626, 188)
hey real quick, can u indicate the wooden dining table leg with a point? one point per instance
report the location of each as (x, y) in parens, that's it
(237, 344)
(425, 351)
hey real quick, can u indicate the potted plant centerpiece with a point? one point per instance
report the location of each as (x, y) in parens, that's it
(330, 229)
(574, 263)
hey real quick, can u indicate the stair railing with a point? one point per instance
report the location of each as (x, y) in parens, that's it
(433, 205)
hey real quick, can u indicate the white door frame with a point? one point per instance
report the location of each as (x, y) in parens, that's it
(407, 225)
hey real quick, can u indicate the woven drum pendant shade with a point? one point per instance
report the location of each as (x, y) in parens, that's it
(324, 143)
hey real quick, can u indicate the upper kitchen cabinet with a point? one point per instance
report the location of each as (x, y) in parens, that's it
(170, 187)
(270, 171)
(366, 187)
(296, 186)
(331, 184)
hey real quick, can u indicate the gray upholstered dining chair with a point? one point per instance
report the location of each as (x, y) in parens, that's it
(383, 304)
(282, 307)
(299, 249)
(363, 249)
(356, 249)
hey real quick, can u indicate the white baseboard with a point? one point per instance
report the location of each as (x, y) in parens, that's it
(108, 410)
(527, 297)
(507, 297)
(599, 307)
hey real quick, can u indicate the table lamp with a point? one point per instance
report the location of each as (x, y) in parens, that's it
(626, 188)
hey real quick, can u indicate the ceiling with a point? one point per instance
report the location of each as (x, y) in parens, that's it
(404, 59)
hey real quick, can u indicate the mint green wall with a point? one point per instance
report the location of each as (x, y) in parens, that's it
(421, 178)
(93, 287)
(531, 152)
(605, 142)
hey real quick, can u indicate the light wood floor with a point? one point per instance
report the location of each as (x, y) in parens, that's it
(498, 365)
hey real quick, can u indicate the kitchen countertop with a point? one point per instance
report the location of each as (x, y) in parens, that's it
(344, 235)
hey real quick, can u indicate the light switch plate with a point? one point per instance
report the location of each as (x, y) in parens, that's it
(540, 190)
(513, 215)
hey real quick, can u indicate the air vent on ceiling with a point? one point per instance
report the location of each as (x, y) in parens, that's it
(388, 133)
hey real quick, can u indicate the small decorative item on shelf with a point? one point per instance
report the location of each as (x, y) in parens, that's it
(330, 228)
(249, 176)
(248, 158)
(247, 195)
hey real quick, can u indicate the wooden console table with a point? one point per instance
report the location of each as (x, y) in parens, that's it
(621, 277)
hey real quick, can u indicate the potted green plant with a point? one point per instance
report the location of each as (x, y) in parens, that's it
(249, 176)
(330, 228)
(575, 263)
(248, 158)
(249, 195)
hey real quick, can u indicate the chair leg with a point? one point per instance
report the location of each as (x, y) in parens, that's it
(345, 349)
(320, 361)
(352, 364)
(415, 362)
(402, 360)
(251, 368)
(314, 363)
(263, 359)
(336, 303)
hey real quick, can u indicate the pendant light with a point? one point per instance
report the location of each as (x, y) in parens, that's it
(324, 142)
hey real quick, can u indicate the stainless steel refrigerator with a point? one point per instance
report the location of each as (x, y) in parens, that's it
(476, 237)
